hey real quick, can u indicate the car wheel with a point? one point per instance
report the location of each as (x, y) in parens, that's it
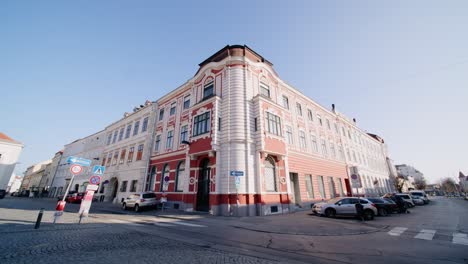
(124, 206)
(383, 212)
(137, 208)
(330, 212)
(368, 215)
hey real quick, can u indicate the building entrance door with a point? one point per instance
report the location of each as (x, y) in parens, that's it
(295, 190)
(203, 191)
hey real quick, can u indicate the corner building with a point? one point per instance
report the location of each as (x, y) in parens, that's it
(236, 114)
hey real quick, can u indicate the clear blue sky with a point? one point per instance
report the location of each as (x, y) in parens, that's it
(69, 68)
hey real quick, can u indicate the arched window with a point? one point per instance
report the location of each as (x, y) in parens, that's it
(180, 176)
(165, 178)
(270, 175)
(150, 179)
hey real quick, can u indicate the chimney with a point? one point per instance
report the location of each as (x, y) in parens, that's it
(333, 108)
(354, 120)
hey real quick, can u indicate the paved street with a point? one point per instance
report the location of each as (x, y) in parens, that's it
(435, 233)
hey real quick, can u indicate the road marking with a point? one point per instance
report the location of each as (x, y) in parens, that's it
(460, 238)
(187, 224)
(426, 234)
(117, 221)
(397, 231)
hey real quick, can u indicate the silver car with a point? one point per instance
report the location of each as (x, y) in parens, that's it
(345, 206)
(421, 195)
(140, 200)
(417, 200)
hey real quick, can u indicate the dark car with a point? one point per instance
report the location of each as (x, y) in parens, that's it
(2, 194)
(24, 193)
(384, 206)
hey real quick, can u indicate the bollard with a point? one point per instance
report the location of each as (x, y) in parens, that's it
(39, 218)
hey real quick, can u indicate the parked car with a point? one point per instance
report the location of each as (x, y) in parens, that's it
(137, 201)
(417, 200)
(401, 203)
(75, 198)
(24, 193)
(407, 199)
(70, 193)
(420, 194)
(345, 206)
(2, 194)
(384, 206)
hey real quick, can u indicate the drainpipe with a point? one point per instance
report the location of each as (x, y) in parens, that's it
(150, 149)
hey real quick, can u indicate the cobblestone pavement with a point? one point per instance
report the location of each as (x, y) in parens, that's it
(104, 243)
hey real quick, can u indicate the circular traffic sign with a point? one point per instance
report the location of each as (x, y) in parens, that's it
(166, 179)
(95, 180)
(354, 177)
(76, 169)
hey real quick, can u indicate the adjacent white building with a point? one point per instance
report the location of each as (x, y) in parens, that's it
(10, 151)
(409, 172)
(128, 144)
(14, 183)
(89, 147)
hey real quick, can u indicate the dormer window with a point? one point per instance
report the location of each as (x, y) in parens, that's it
(208, 90)
(264, 90)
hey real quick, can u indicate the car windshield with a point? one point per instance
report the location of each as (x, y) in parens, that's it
(404, 196)
(149, 195)
(417, 194)
(376, 200)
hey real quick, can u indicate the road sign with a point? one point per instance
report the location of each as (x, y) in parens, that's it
(76, 169)
(99, 170)
(95, 180)
(79, 161)
(86, 204)
(91, 187)
(236, 173)
(237, 182)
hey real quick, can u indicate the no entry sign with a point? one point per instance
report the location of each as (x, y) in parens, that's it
(76, 169)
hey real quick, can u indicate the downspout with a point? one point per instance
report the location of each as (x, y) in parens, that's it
(150, 149)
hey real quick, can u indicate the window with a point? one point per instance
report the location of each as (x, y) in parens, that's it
(136, 127)
(187, 102)
(133, 186)
(123, 187)
(340, 152)
(264, 90)
(310, 115)
(150, 179)
(122, 156)
(313, 140)
(328, 124)
(201, 124)
(157, 143)
(270, 175)
(285, 102)
(256, 124)
(109, 138)
(319, 120)
(340, 187)
(331, 186)
(343, 131)
(299, 109)
(208, 90)
(121, 133)
(302, 140)
(348, 155)
(165, 175)
(289, 136)
(321, 187)
(103, 160)
(309, 186)
(130, 154)
(274, 124)
(127, 133)
(184, 133)
(349, 134)
(161, 114)
(173, 109)
(324, 148)
(145, 124)
(180, 176)
(332, 150)
(139, 152)
(336, 128)
(109, 159)
(116, 156)
(354, 156)
(170, 137)
(115, 137)
(219, 123)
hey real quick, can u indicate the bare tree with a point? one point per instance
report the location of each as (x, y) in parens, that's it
(448, 185)
(420, 184)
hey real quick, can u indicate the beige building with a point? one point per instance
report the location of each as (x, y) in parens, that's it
(33, 176)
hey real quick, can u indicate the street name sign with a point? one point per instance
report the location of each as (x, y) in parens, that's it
(79, 161)
(236, 173)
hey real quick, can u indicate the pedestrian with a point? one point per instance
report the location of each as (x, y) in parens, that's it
(360, 211)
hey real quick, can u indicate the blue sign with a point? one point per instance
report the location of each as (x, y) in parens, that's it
(79, 161)
(99, 170)
(237, 173)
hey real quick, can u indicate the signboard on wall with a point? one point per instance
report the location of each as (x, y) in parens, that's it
(355, 178)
